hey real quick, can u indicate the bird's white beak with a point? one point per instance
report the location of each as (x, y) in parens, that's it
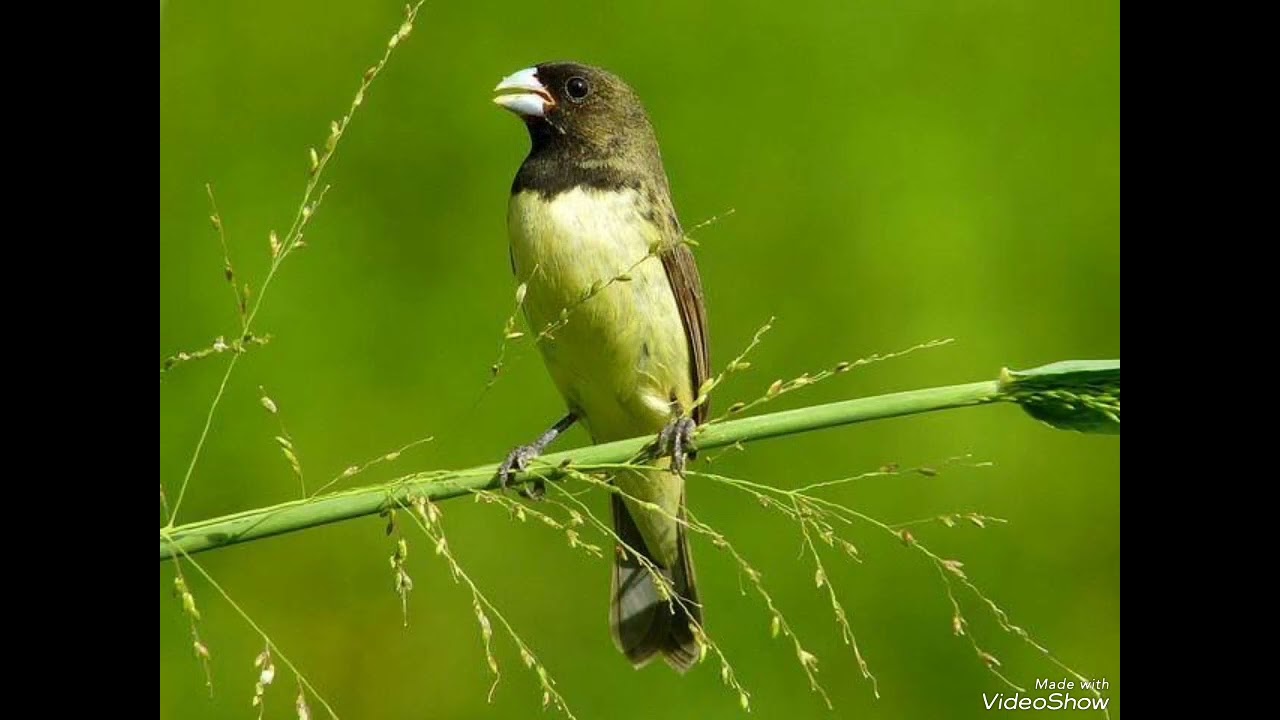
(522, 94)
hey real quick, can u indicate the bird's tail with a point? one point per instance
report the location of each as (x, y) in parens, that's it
(642, 622)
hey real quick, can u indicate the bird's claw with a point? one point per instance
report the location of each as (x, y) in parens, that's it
(676, 441)
(518, 460)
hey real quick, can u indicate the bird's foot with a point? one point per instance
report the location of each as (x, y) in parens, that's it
(518, 460)
(676, 441)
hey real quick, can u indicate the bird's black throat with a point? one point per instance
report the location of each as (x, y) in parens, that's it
(558, 162)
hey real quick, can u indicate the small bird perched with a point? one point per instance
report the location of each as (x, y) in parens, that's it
(590, 215)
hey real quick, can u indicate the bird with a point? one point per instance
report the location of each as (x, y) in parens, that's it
(604, 265)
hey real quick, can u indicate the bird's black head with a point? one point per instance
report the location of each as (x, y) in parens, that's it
(581, 108)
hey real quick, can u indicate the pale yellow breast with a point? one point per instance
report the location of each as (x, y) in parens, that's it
(622, 354)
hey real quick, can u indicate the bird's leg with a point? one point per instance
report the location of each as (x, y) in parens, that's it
(676, 441)
(518, 459)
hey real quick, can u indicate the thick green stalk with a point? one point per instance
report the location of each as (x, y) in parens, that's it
(344, 505)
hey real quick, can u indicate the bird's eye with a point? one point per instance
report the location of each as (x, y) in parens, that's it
(577, 88)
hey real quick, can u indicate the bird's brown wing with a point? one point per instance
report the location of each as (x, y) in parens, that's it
(682, 273)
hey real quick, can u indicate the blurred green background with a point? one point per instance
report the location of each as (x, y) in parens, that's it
(901, 171)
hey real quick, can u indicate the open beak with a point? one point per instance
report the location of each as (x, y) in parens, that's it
(522, 94)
